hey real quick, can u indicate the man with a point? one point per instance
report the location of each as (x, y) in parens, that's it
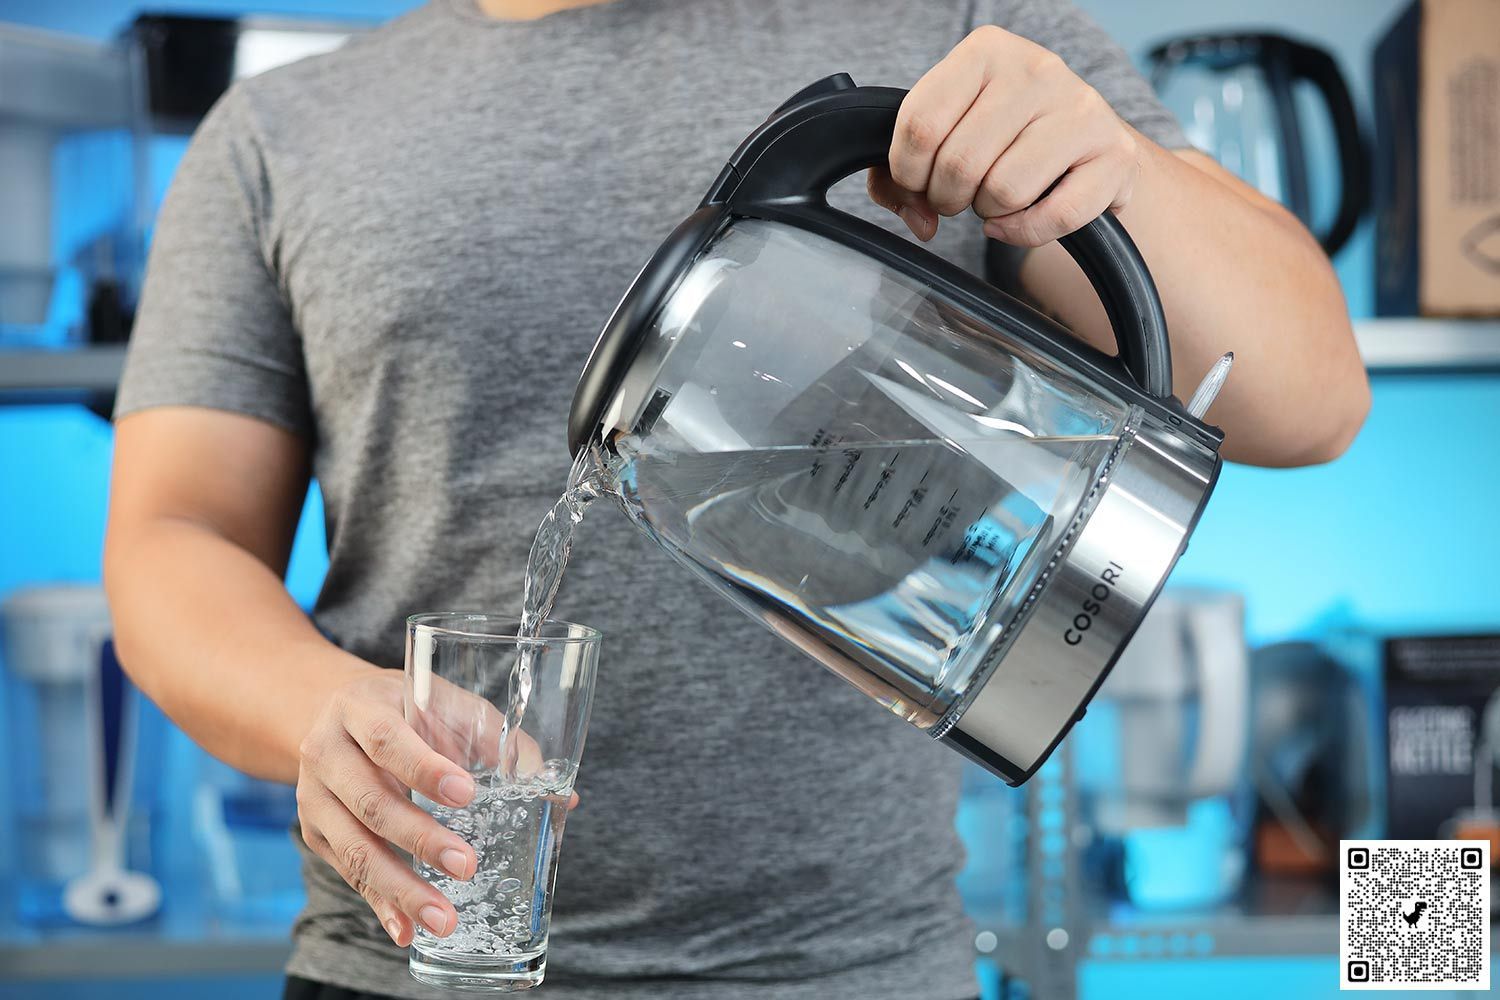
(385, 267)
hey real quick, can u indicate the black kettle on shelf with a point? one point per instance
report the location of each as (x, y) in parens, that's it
(1237, 96)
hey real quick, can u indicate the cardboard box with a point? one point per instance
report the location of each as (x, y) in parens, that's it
(1442, 704)
(1437, 161)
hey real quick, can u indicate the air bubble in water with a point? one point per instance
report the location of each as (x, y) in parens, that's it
(495, 907)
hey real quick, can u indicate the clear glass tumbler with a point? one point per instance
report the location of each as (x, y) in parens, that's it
(461, 677)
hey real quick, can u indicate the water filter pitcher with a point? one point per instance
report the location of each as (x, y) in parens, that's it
(922, 483)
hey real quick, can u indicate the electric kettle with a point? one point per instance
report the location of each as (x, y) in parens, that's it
(925, 485)
(1237, 97)
(1163, 764)
(1181, 699)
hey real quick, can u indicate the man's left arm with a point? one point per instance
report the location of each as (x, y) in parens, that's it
(1000, 119)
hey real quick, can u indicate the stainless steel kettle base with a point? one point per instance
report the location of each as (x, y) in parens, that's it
(1090, 604)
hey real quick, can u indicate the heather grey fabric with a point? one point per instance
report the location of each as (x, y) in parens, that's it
(403, 251)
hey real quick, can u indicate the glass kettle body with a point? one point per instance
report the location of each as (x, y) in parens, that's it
(921, 483)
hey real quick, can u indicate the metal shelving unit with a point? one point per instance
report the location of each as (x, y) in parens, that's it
(1066, 924)
(1433, 346)
(34, 373)
(139, 955)
(1254, 926)
(1028, 955)
(1389, 346)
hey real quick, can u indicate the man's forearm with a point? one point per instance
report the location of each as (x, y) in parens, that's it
(1236, 272)
(211, 635)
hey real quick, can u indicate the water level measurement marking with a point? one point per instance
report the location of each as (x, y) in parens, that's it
(946, 515)
(885, 477)
(979, 540)
(915, 498)
(853, 455)
(822, 441)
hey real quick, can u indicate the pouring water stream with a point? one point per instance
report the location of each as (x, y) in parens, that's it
(549, 556)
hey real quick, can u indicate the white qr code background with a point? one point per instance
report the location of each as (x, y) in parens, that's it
(1414, 914)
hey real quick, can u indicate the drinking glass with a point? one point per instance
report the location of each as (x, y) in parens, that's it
(463, 671)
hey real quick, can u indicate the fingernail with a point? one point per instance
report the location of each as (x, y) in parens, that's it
(434, 919)
(393, 928)
(913, 220)
(454, 862)
(456, 789)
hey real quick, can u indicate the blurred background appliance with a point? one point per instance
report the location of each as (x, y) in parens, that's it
(1442, 731)
(110, 892)
(188, 62)
(1438, 723)
(83, 116)
(51, 87)
(1244, 98)
(1482, 822)
(72, 729)
(1311, 759)
(241, 829)
(180, 65)
(1166, 762)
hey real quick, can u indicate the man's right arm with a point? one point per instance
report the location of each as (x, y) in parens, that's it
(203, 508)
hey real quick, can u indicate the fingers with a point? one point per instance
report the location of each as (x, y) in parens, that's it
(994, 126)
(1051, 146)
(930, 111)
(1041, 154)
(467, 727)
(525, 757)
(395, 747)
(968, 155)
(910, 206)
(373, 799)
(1083, 194)
(463, 726)
(397, 894)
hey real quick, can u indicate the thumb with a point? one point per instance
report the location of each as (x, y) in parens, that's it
(911, 206)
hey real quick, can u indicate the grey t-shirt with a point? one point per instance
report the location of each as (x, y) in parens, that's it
(403, 251)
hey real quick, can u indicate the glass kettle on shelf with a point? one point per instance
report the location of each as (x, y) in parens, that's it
(1244, 98)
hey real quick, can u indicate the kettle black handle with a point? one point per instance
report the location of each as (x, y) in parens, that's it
(833, 128)
(1319, 68)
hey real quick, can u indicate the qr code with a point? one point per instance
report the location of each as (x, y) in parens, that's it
(1414, 914)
